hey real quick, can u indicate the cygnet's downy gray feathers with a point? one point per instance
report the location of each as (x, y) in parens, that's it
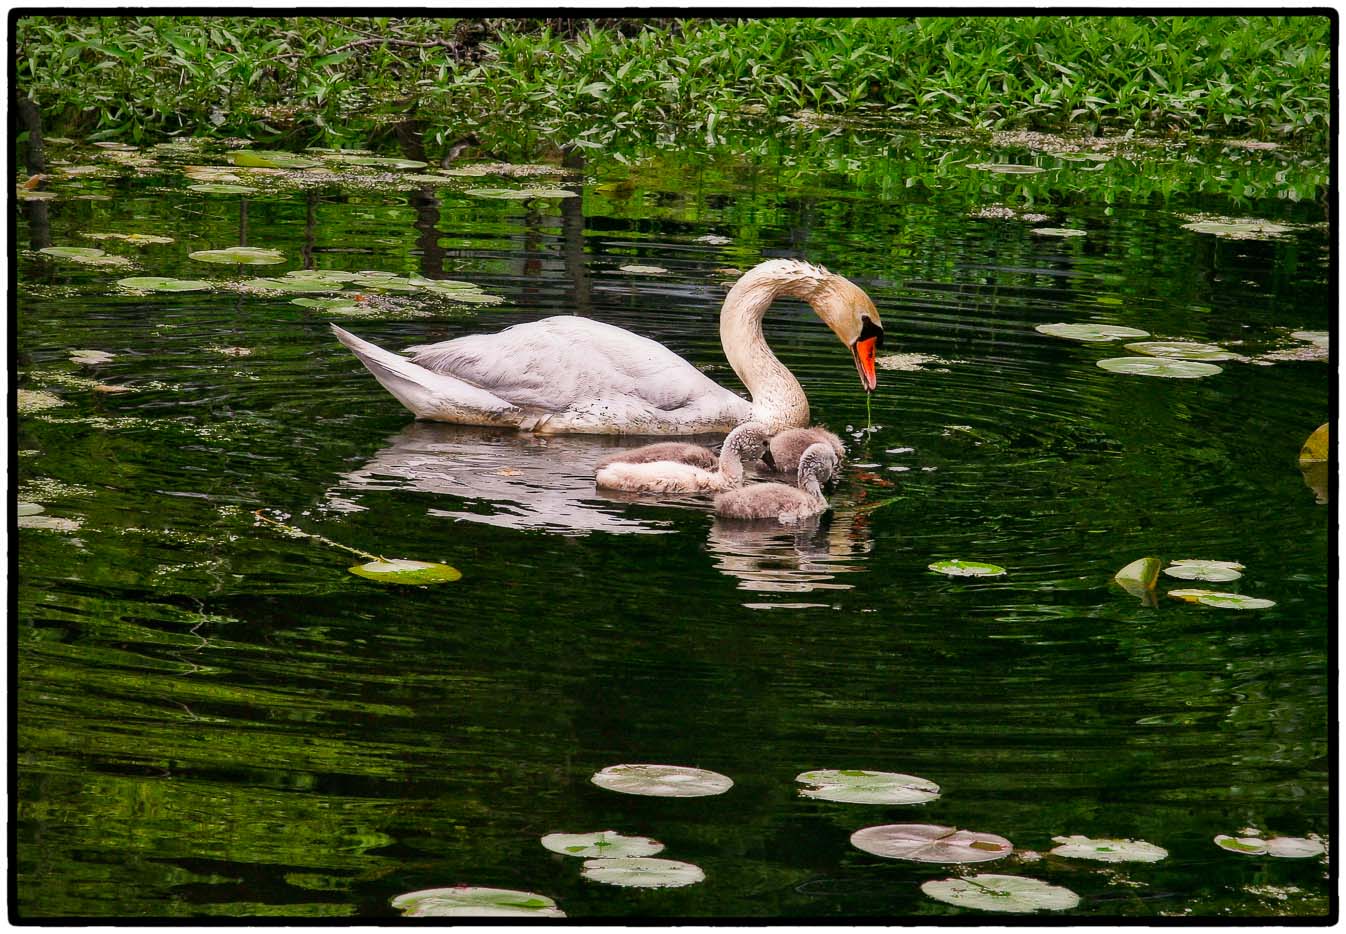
(744, 446)
(781, 502)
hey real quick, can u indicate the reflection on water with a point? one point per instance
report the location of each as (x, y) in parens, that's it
(769, 557)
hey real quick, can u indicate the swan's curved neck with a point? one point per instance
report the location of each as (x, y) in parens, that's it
(778, 401)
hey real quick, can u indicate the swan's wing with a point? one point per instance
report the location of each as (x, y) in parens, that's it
(561, 362)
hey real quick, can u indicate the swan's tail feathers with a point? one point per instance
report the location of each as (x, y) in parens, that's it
(431, 395)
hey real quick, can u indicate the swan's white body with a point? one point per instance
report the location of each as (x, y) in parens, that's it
(570, 374)
(744, 446)
(789, 446)
(778, 501)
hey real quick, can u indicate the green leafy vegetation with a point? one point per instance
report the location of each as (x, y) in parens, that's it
(328, 79)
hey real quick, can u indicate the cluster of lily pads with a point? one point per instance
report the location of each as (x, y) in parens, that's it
(614, 858)
(1140, 577)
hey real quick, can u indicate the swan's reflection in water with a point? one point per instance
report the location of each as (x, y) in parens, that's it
(520, 480)
(768, 557)
(501, 477)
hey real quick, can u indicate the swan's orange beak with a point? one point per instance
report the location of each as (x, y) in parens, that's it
(864, 351)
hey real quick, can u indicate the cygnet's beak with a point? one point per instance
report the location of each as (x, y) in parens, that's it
(865, 350)
(768, 459)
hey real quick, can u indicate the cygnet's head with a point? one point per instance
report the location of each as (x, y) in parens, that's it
(745, 446)
(817, 465)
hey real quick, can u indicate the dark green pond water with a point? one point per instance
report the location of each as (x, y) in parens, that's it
(216, 719)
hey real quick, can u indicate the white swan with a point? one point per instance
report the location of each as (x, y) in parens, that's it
(789, 446)
(571, 374)
(781, 502)
(744, 446)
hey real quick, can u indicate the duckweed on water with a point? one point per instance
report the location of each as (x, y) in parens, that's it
(603, 844)
(931, 843)
(663, 781)
(858, 786)
(994, 892)
(643, 872)
(1107, 850)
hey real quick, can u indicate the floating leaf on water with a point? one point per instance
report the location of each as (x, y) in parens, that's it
(1159, 366)
(1005, 168)
(72, 252)
(642, 872)
(384, 162)
(503, 168)
(994, 892)
(644, 270)
(520, 193)
(1293, 847)
(402, 571)
(29, 509)
(385, 282)
(1318, 447)
(604, 844)
(271, 160)
(323, 275)
(1182, 350)
(1063, 232)
(283, 284)
(90, 357)
(907, 362)
(1237, 229)
(135, 238)
(1191, 569)
(48, 523)
(245, 255)
(112, 145)
(1143, 572)
(35, 400)
(1108, 850)
(712, 239)
(858, 786)
(663, 781)
(1317, 338)
(1248, 846)
(1225, 601)
(162, 284)
(27, 194)
(221, 188)
(931, 843)
(329, 304)
(1090, 332)
(957, 568)
(475, 901)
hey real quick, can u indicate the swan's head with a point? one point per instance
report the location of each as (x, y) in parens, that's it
(848, 311)
(746, 444)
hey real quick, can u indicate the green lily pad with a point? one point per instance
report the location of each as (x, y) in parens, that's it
(1293, 847)
(1317, 338)
(1182, 350)
(29, 401)
(48, 523)
(90, 357)
(1063, 232)
(956, 568)
(662, 781)
(249, 158)
(328, 304)
(931, 843)
(221, 188)
(520, 193)
(642, 872)
(1318, 447)
(384, 162)
(1159, 366)
(1006, 168)
(72, 252)
(1139, 577)
(29, 509)
(604, 844)
(644, 270)
(283, 284)
(244, 255)
(1240, 229)
(135, 238)
(162, 284)
(402, 571)
(1108, 850)
(1247, 846)
(1090, 332)
(1191, 569)
(323, 275)
(858, 786)
(385, 283)
(994, 892)
(1225, 601)
(475, 901)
